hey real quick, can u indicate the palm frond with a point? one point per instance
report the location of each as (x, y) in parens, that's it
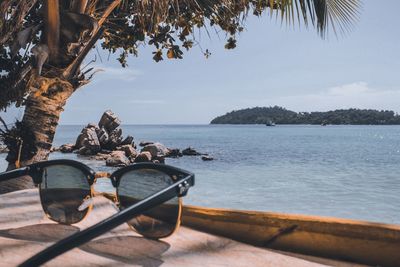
(322, 14)
(339, 15)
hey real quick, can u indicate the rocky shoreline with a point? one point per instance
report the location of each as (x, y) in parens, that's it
(104, 141)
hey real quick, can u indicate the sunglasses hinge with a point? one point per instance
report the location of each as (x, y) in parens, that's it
(183, 188)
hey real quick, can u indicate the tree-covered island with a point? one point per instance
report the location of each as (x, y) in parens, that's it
(280, 115)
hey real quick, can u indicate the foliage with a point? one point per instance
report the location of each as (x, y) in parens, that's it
(12, 138)
(59, 34)
(279, 115)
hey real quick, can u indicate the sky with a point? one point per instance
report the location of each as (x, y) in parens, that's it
(273, 64)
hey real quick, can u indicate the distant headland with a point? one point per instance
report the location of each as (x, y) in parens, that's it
(280, 115)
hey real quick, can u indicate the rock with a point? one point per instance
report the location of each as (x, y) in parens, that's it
(91, 125)
(143, 157)
(66, 148)
(91, 146)
(79, 140)
(3, 149)
(157, 150)
(103, 136)
(88, 143)
(101, 156)
(129, 150)
(145, 143)
(117, 159)
(89, 132)
(115, 139)
(190, 152)
(207, 158)
(109, 121)
(174, 153)
(128, 141)
(158, 160)
(52, 149)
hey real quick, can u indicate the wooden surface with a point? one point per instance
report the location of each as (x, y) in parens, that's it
(375, 244)
(24, 231)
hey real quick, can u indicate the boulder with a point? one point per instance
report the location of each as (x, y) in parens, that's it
(89, 132)
(87, 142)
(143, 157)
(109, 121)
(128, 141)
(145, 143)
(157, 150)
(91, 125)
(174, 153)
(115, 139)
(66, 148)
(103, 136)
(207, 158)
(117, 159)
(129, 150)
(190, 152)
(90, 144)
(101, 156)
(158, 160)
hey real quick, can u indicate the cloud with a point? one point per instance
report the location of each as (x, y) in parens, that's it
(348, 90)
(353, 95)
(114, 74)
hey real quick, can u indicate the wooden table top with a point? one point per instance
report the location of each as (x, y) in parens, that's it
(24, 231)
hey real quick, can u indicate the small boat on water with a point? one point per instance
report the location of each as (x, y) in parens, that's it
(270, 123)
(354, 241)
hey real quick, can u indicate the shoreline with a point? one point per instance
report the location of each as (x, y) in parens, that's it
(344, 168)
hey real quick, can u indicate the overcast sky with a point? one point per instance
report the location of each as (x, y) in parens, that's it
(272, 65)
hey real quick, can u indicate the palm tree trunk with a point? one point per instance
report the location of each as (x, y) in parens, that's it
(48, 96)
(42, 112)
(43, 109)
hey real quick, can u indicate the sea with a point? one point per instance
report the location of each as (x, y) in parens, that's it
(337, 171)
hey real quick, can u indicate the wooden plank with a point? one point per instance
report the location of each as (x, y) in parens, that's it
(354, 241)
(24, 231)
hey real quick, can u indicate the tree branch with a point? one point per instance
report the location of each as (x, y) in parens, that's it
(70, 71)
(7, 30)
(108, 11)
(52, 27)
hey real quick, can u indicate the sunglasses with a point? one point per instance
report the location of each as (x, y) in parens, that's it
(148, 196)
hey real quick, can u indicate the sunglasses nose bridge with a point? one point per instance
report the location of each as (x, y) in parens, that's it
(102, 175)
(110, 196)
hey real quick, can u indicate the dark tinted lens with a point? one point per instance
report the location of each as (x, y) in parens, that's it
(65, 193)
(136, 185)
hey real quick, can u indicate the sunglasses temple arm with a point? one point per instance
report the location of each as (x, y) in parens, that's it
(4, 176)
(106, 225)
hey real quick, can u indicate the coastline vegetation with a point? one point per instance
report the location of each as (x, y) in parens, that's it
(280, 115)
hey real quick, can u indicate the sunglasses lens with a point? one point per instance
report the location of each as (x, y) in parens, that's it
(64, 193)
(135, 186)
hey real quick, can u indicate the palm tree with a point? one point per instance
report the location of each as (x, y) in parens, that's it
(43, 44)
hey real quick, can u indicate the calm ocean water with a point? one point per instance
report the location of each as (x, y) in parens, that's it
(341, 171)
